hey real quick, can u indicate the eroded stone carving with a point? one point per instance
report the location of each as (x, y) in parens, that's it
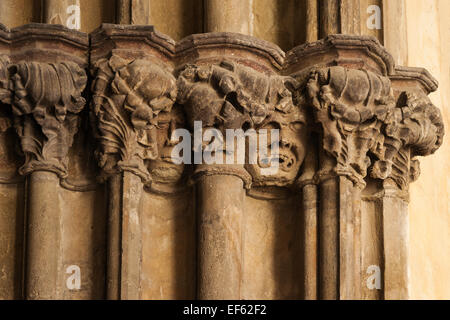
(232, 96)
(413, 128)
(127, 98)
(364, 127)
(45, 103)
(167, 175)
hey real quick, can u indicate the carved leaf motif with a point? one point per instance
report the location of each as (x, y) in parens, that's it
(47, 99)
(360, 117)
(348, 104)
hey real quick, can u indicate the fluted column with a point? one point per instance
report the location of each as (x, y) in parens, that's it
(220, 94)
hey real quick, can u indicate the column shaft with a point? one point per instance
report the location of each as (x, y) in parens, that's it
(219, 253)
(114, 232)
(396, 244)
(132, 189)
(310, 241)
(329, 240)
(228, 16)
(43, 237)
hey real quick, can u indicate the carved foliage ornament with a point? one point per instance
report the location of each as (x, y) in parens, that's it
(45, 103)
(127, 98)
(364, 127)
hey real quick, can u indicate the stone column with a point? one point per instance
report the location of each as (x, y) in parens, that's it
(395, 245)
(124, 115)
(61, 12)
(114, 232)
(309, 232)
(364, 108)
(46, 122)
(133, 12)
(228, 16)
(43, 274)
(14, 13)
(220, 216)
(312, 21)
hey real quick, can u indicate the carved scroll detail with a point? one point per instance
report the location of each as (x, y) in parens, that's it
(127, 98)
(46, 102)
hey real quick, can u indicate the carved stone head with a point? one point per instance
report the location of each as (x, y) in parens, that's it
(290, 120)
(162, 169)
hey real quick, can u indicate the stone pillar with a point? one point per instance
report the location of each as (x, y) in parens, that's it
(206, 90)
(124, 115)
(14, 13)
(312, 21)
(12, 188)
(364, 109)
(46, 122)
(220, 217)
(309, 232)
(43, 274)
(396, 245)
(228, 16)
(65, 12)
(114, 232)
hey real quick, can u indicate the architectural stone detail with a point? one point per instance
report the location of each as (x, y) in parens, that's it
(365, 127)
(232, 96)
(127, 98)
(351, 126)
(47, 98)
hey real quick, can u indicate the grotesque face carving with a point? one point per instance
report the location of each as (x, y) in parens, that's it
(162, 169)
(292, 139)
(291, 122)
(232, 96)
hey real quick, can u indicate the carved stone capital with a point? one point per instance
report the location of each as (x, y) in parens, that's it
(372, 116)
(349, 106)
(128, 96)
(228, 95)
(47, 98)
(45, 80)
